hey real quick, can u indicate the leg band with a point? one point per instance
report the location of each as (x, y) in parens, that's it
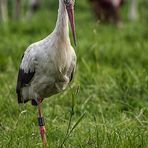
(41, 121)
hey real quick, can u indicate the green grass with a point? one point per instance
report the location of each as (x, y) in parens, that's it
(112, 74)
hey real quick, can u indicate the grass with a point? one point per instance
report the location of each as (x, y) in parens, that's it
(112, 74)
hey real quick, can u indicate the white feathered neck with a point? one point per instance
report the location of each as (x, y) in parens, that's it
(61, 30)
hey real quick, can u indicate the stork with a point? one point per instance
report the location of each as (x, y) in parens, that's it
(34, 5)
(48, 66)
(107, 10)
(133, 14)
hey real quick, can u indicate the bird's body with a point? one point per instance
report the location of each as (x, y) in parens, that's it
(48, 65)
(107, 10)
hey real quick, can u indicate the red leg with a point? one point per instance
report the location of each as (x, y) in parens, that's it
(41, 124)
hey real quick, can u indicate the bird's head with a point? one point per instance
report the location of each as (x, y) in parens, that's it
(69, 4)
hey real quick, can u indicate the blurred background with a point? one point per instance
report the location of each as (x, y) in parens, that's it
(112, 74)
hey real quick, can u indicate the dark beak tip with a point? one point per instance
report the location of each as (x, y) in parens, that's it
(75, 43)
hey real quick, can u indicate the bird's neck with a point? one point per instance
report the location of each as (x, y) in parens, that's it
(133, 5)
(61, 30)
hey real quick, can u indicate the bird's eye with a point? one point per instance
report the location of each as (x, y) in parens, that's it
(66, 2)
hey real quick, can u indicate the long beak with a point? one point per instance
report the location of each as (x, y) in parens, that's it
(70, 10)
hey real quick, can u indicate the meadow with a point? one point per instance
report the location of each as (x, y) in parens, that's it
(110, 108)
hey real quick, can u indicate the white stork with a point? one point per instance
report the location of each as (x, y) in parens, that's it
(133, 13)
(34, 5)
(48, 66)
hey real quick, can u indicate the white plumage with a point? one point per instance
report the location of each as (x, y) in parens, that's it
(48, 65)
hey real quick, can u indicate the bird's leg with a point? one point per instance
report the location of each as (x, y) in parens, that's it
(41, 124)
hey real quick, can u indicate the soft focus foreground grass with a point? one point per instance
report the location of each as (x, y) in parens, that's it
(112, 73)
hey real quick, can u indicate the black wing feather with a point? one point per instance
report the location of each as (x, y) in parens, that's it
(23, 79)
(72, 74)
